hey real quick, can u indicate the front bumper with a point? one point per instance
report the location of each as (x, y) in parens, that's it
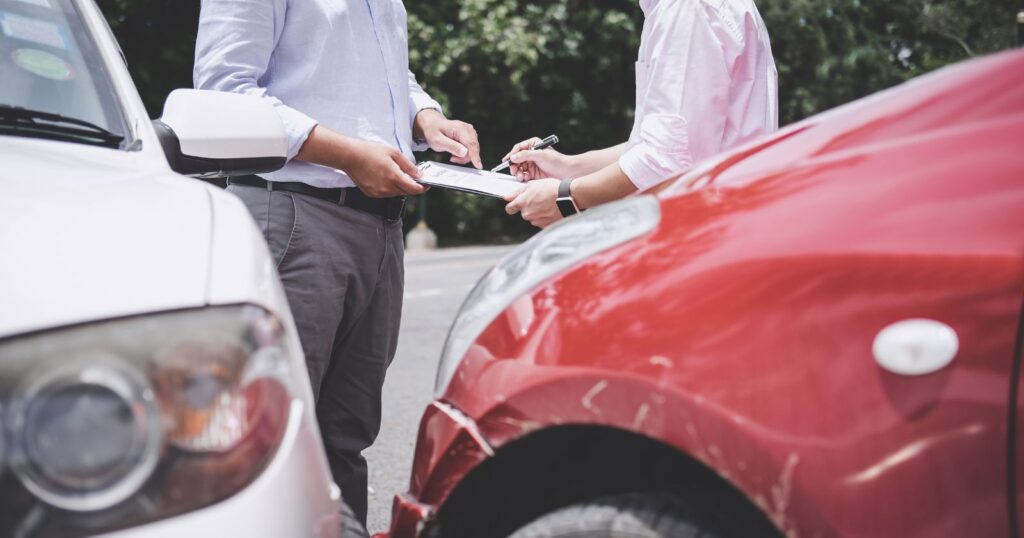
(409, 518)
(294, 497)
(448, 447)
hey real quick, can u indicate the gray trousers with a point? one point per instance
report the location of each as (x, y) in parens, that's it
(343, 273)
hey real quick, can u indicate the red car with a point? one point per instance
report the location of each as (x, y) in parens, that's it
(817, 335)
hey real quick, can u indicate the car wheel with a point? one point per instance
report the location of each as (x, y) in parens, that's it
(635, 515)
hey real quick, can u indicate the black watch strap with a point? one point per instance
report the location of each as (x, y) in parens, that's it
(566, 205)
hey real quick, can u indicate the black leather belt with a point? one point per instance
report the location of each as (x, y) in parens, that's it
(388, 208)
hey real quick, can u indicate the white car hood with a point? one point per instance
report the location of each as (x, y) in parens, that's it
(89, 234)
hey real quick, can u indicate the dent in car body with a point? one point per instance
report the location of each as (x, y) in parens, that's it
(741, 331)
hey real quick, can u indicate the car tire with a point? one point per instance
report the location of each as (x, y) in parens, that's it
(350, 525)
(635, 515)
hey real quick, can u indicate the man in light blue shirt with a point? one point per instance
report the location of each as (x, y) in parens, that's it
(338, 74)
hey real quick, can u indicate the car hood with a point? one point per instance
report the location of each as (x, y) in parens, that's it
(90, 234)
(962, 96)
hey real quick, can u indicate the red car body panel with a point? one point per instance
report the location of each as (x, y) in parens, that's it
(740, 330)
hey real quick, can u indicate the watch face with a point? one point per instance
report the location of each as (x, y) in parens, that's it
(566, 207)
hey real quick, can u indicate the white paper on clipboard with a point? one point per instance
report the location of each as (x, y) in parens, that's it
(469, 180)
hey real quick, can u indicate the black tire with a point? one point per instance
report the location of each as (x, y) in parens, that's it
(634, 515)
(350, 525)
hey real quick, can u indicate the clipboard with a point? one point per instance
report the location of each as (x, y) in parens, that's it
(469, 180)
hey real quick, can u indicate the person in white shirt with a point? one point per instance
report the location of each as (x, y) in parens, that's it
(338, 74)
(705, 82)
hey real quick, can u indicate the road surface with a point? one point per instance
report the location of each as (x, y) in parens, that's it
(436, 283)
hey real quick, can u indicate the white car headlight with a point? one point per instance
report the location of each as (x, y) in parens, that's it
(545, 255)
(122, 422)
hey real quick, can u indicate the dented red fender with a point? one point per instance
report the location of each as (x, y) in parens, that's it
(741, 330)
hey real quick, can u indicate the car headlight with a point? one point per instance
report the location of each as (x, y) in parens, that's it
(118, 423)
(89, 433)
(543, 256)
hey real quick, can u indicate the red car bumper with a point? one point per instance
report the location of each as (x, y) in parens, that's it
(449, 446)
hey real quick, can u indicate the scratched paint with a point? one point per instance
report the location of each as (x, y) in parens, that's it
(641, 415)
(782, 492)
(588, 398)
(662, 361)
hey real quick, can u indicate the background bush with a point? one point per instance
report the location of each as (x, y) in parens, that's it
(517, 69)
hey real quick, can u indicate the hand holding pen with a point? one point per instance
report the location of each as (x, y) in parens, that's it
(533, 159)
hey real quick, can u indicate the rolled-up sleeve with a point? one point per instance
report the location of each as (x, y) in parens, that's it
(419, 100)
(683, 99)
(233, 49)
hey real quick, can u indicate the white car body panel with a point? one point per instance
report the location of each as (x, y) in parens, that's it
(89, 233)
(86, 236)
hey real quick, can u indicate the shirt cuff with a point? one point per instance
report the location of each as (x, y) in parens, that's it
(297, 127)
(420, 102)
(661, 152)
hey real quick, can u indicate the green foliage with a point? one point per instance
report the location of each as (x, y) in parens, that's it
(517, 69)
(158, 38)
(830, 52)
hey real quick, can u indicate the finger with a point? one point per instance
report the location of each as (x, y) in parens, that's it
(450, 145)
(408, 185)
(402, 182)
(527, 172)
(527, 156)
(405, 166)
(524, 145)
(528, 144)
(514, 196)
(469, 138)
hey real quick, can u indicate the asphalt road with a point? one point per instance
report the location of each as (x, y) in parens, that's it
(436, 283)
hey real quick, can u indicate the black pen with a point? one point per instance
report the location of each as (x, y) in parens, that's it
(543, 144)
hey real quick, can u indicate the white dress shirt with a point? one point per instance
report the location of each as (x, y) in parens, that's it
(705, 82)
(343, 64)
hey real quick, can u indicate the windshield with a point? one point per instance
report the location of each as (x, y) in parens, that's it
(49, 63)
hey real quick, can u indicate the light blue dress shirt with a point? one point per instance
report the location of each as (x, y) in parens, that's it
(343, 64)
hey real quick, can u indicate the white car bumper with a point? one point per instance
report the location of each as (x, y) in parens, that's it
(293, 498)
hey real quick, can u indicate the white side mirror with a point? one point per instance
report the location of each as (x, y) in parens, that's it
(218, 134)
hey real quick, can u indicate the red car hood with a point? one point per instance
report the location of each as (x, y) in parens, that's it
(958, 97)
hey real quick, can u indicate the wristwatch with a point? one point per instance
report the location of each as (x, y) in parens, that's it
(565, 202)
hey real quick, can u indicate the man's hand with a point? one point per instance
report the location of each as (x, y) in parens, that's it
(381, 171)
(529, 164)
(536, 203)
(450, 136)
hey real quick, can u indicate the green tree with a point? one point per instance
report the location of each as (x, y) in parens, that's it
(517, 69)
(158, 38)
(830, 52)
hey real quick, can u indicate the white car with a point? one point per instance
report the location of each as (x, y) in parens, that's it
(151, 379)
